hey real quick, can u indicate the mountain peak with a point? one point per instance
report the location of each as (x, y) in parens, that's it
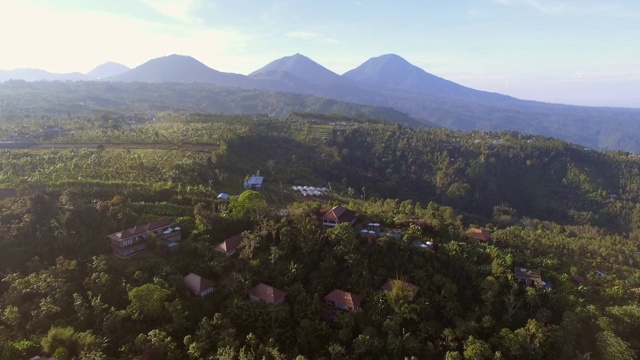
(170, 68)
(387, 66)
(391, 71)
(107, 69)
(391, 57)
(300, 66)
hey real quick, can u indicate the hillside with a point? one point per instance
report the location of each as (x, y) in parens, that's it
(415, 286)
(19, 99)
(389, 81)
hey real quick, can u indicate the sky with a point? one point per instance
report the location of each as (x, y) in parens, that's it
(584, 52)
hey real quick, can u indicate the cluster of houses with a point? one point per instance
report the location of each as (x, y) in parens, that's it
(524, 276)
(254, 183)
(265, 293)
(311, 190)
(25, 139)
(134, 241)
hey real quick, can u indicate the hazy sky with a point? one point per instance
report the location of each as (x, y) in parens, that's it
(569, 51)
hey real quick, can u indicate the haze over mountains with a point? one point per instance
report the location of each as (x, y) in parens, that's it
(391, 81)
(102, 71)
(106, 70)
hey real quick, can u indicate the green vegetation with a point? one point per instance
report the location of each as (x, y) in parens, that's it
(569, 212)
(20, 99)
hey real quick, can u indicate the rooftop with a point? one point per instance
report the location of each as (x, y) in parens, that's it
(229, 244)
(197, 284)
(478, 234)
(267, 293)
(339, 214)
(141, 229)
(338, 296)
(527, 274)
(255, 180)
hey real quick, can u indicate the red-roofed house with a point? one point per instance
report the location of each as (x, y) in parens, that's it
(338, 215)
(389, 285)
(197, 285)
(230, 245)
(479, 235)
(343, 300)
(267, 294)
(133, 241)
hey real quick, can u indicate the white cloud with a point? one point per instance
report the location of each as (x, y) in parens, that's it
(65, 40)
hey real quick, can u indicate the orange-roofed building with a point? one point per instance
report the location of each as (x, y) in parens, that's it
(479, 235)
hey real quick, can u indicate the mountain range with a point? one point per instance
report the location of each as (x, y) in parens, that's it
(389, 81)
(102, 71)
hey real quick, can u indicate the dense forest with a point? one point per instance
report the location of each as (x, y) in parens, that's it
(567, 211)
(21, 99)
(580, 125)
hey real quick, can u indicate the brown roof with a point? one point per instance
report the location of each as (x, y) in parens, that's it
(230, 244)
(478, 234)
(267, 293)
(141, 229)
(197, 284)
(388, 286)
(528, 274)
(342, 297)
(157, 224)
(339, 214)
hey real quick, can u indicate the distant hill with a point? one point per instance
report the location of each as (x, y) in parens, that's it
(299, 66)
(389, 81)
(392, 72)
(19, 99)
(107, 69)
(39, 75)
(178, 68)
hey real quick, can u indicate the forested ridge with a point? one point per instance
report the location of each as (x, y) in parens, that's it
(599, 128)
(568, 211)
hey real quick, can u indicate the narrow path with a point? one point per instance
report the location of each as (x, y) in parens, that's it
(132, 146)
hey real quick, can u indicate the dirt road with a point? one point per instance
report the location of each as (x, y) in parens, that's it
(162, 146)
